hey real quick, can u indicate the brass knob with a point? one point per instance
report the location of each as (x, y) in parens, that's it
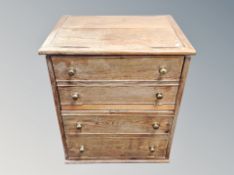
(159, 96)
(71, 71)
(162, 70)
(75, 96)
(82, 149)
(152, 149)
(78, 125)
(156, 125)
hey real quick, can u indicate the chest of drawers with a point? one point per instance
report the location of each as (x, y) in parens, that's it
(117, 83)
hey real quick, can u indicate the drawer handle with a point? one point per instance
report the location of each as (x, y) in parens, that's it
(162, 70)
(159, 96)
(82, 149)
(156, 125)
(152, 149)
(75, 96)
(71, 71)
(78, 125)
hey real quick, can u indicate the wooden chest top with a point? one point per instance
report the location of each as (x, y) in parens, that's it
(117, 35)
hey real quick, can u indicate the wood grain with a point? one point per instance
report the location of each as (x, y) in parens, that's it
(117, 95)
(178, 100)
(116, 147)
(57, 102)
(116, 123)
(117, 67)
(122, 108)
(90, 161)
(117, 35)
(111, 83)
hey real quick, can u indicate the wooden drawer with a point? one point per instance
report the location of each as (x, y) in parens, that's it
(92, 147)
(116, 123)
(113, 95)
(117, 67)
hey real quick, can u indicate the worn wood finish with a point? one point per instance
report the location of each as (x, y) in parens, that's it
(179, 98)
(105, 73)
(118, 95)
(117, 124)
(116, 147)
(56, 102)
(91, 161)
(117, 111)
(117, 35)
(117, 67)
(111, 83)
(122, 108)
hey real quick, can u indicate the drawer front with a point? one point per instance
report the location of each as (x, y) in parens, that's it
(117, 68)
(82, 95)
(116, 147)
(116, 124)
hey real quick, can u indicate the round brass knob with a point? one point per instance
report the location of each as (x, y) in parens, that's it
(71, 71)
(162, 70)
(156, 125)
(152, 149)
(78, 125)
(82, 149)
(159, 96)
(75, 96)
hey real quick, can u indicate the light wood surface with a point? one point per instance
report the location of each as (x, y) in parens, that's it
(184, 74)
(117, 35)
(117, 124)
(117, 95)
(112, 83)
(117, 67)
(91, 161)
(56, 102)
(122, 108)
(116, 147)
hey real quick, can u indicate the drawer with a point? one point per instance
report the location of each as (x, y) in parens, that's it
(116, 123)
(91, 147)
(117, 67)
(114, 95)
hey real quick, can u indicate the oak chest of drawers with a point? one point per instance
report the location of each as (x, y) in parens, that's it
(117, 83)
